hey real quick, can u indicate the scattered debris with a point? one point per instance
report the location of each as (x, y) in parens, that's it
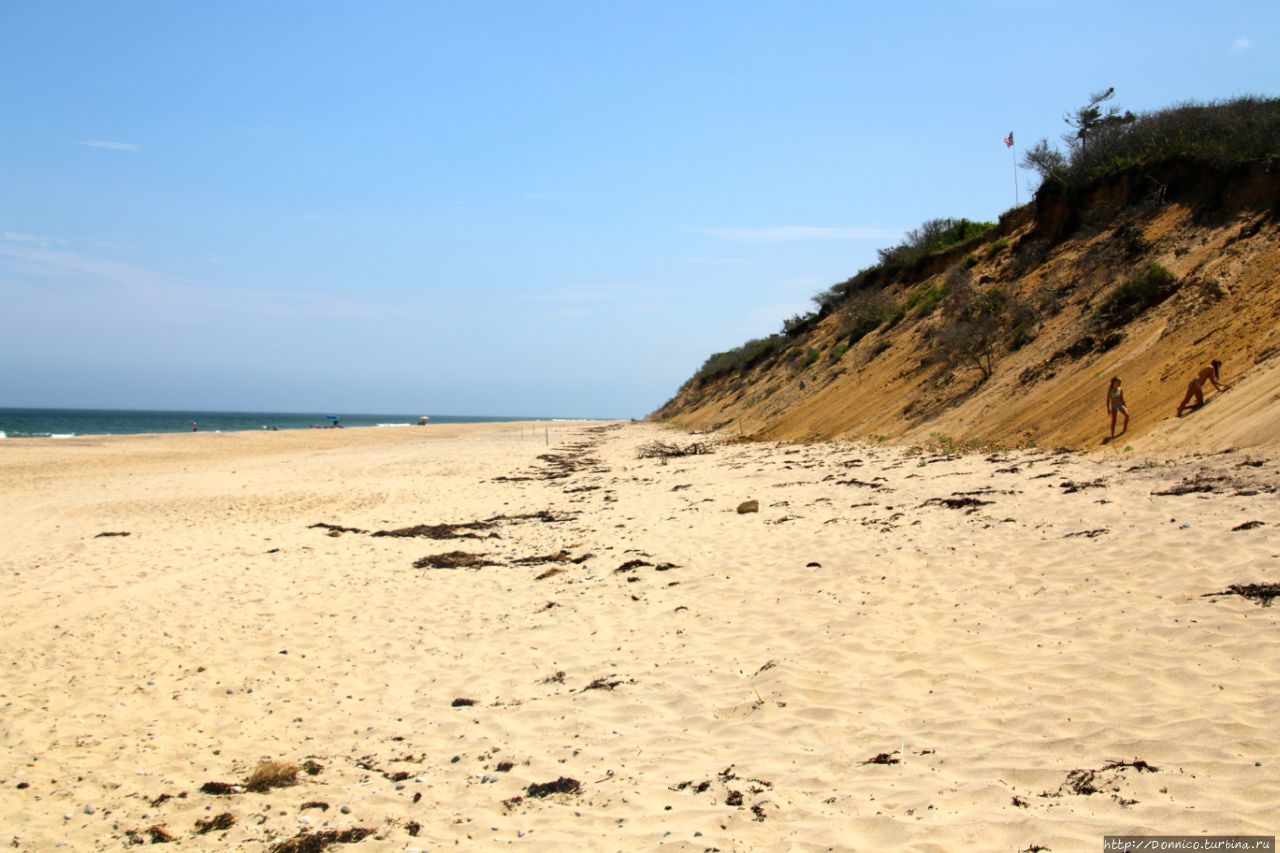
(1192, 485)
(965, 503)
(883, 758)
(112, 533)
(314, 804)
(602, 683)
(560, 556)
(666, 450)
(1089, 534)
(220, 823)
(863, 483)
(461, 702)
(1263, 593)
(219, 789)
(157, 835)
(563, 785)
(1104, 780)
(549, 573)
(315, 842)
(1069, 487)
(441, 531)
(454, 560)
(543, 515)
(1248, 525)
(335, 528)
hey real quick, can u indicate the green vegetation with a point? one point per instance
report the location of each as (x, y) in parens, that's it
(1105, 140)
(976, 321)
(1101, 140)
(1131, 241)
(936, 235)
(926, 297)
(1136, 295)
(862, 314)
(738, 360)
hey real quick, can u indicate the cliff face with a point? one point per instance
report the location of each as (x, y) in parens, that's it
(1217, 231)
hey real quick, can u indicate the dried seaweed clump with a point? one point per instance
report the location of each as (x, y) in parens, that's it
(272, 774)
(1263, 593)
(454, 560)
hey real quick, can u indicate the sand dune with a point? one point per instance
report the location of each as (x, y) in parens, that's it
(894, 651)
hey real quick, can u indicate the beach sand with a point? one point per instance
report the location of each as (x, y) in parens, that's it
(896, 651)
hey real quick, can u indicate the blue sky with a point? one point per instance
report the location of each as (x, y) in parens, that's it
(537, 208)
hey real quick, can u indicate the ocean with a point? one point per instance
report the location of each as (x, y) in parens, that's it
(67, 423)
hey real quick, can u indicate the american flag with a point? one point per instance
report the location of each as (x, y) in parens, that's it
(1008, 140)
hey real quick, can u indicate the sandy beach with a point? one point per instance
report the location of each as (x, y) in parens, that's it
(895, 650)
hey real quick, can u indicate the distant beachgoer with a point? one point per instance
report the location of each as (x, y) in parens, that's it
(194, 428)
(1195, 388)
(1116, 405)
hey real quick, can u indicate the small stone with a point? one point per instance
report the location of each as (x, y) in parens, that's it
(345, 809)
(748, 506)
(67, 816)
(88, 809)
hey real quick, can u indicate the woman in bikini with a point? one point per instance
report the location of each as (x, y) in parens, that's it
(1116, 406)
(1195, 388)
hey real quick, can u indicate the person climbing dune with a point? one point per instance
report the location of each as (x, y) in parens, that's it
(1195, 388)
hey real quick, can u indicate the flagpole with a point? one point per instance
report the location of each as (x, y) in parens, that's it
(1014, 152)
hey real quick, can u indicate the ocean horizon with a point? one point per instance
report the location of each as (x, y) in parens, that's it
(69, 423)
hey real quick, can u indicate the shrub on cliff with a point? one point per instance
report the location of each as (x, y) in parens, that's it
(740, 359)
(976, 321)
(1129, 300)
(862, 314)
(1104, 140)
(935, 235)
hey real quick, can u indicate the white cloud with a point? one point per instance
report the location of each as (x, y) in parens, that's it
(1241, 44)
(22, 237)
(130, 284)
(581, 295)
(110, 146)
(714, 261)
(793, 233)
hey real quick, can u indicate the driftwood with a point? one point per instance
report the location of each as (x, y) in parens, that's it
(670, 450)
